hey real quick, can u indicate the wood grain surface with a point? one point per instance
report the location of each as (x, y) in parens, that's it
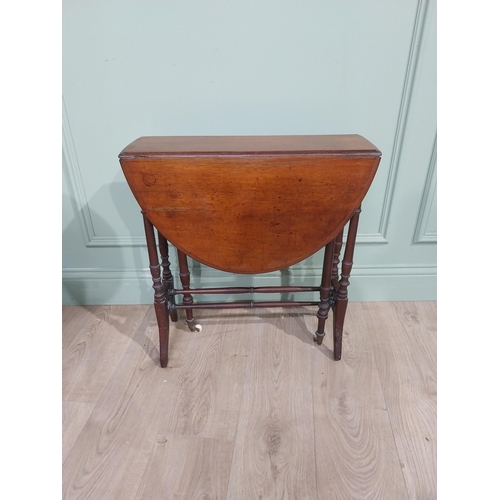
(250, 408)
(271, 458)
(264, 145)
(251, 204)
(406, 360)
(95, 351)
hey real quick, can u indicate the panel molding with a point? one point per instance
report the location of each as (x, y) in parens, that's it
(79, 197)
(117, 241)
(75, 181)
(422, 235)
(210, 273)
(411, 70)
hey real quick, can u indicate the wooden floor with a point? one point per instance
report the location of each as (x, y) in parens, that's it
(250, 408)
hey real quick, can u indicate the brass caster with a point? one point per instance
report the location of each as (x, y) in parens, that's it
(318, 338)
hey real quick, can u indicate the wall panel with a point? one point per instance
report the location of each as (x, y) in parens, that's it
(134, 68)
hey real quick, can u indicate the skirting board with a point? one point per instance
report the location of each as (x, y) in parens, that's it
(102, 287)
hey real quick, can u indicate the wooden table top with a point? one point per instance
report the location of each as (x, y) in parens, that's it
(250, 204)
(250, 145)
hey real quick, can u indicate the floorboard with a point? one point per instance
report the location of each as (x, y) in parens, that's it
(405, 355)
(250, 408)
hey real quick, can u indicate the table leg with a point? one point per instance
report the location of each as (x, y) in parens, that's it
(185, 280)
(167, 278)
(341, 302)
(325, 291)
(337, 247)
(160, 299)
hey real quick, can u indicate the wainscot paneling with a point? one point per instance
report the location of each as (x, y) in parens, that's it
(137, 68)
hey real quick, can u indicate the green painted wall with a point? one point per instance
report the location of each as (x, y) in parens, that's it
(133, 68)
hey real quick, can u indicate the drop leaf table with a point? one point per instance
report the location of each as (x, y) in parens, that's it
(247, 205)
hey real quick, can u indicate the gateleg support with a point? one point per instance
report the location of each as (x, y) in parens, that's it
(187, 299)
(325, 292)
(167, 277)
(340, 307)
(159, 296)
(337, 247)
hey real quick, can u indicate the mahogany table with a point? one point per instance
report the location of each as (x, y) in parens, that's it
(252, 204)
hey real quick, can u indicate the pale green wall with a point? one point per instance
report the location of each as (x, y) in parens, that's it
(134, 68)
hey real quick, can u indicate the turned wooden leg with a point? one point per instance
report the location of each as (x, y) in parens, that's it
(185, 280)
(341, 302)
(160, 299)
(337, 247)
(325, 292)
(167, 278)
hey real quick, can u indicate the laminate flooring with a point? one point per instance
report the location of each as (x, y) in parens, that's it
(250, 408)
